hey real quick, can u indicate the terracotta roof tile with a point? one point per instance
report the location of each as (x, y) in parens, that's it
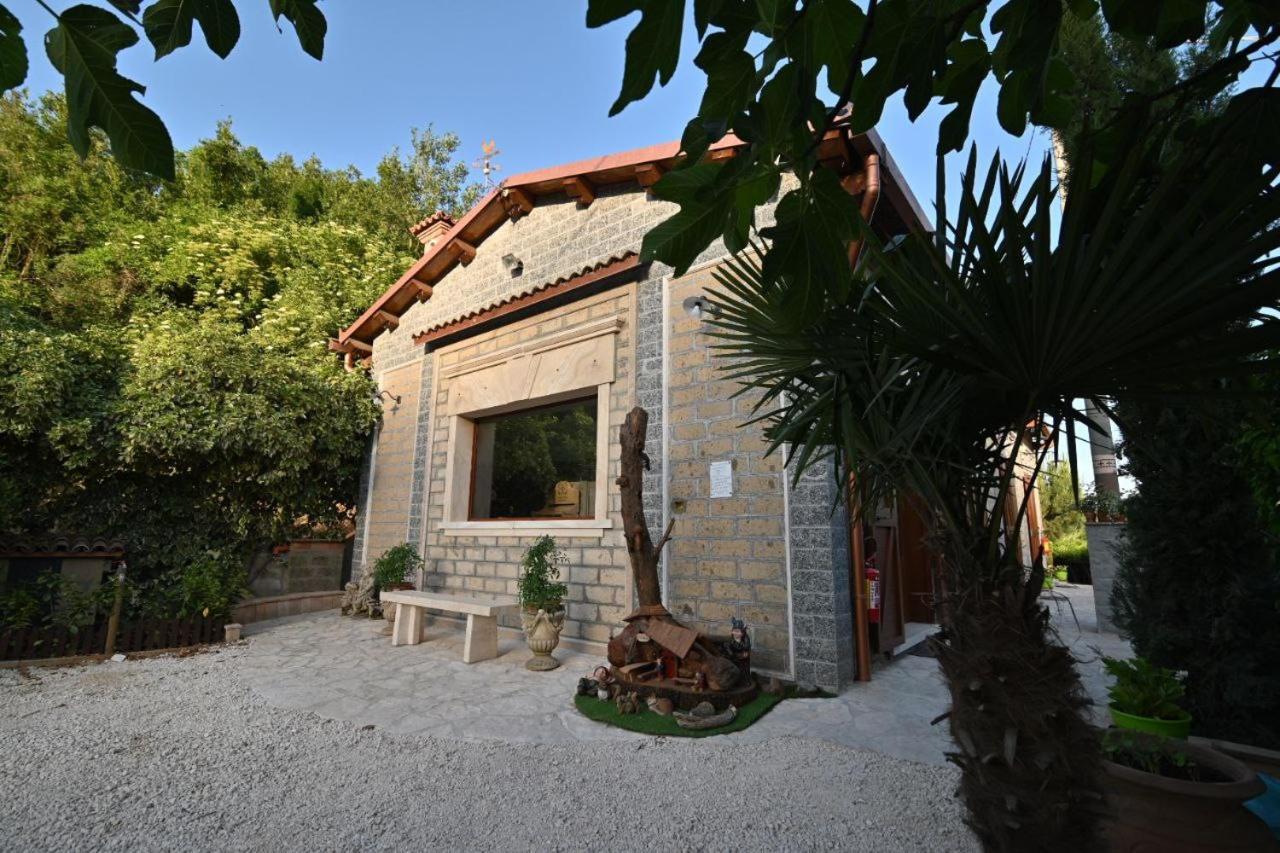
(37, 545)
(423, 225)
(614, 263)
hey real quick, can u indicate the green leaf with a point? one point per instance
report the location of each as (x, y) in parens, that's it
(83, 47)
(1179, 21)
(168, 24)
(13, 52)
(810, 243)
(653, 47)
(308, 21)
(969, 65)
(127, 7)
(731, 76)
(825, 38)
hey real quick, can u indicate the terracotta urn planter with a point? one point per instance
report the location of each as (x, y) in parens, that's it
(1149, 812)
(542, 632)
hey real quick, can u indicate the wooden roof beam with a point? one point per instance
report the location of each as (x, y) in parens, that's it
(388, 320)
(421, 290)
(350, 345)
(648, 174)
(519, 202)
(463, 251)
(580, 189)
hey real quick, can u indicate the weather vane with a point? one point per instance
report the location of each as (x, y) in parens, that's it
(489, 150)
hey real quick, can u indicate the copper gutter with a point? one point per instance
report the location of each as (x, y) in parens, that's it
(870, 198)
(861, 625)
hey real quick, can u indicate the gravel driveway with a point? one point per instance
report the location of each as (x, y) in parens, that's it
(178, 753)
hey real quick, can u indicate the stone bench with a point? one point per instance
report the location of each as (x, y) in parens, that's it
(481, 642)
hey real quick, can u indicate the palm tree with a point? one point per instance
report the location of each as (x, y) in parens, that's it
(958, 346)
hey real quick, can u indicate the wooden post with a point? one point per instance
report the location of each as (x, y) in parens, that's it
(113, 622)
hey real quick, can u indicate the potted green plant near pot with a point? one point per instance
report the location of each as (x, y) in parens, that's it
(390, 574)
(1145, 698)
(1168, 794)
(542, 601)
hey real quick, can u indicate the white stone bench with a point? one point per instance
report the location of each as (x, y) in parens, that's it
(481, 642)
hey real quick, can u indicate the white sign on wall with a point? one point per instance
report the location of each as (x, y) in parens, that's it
(721, 479)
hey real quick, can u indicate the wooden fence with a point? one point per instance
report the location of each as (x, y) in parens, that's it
(146, 635)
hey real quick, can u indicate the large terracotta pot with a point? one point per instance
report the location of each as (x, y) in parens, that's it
(1259, 759)
(1150, 813)
(542, 632)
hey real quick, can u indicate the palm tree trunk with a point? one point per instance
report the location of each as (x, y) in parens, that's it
(1030, 761)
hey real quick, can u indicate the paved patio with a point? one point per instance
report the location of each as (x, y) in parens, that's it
(346, 669)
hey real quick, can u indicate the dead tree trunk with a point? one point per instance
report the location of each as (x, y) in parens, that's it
(655, 654)
(643, 553)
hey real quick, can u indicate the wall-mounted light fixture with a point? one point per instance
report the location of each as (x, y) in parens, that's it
(514, 265)
(699, 308)
(384, 395)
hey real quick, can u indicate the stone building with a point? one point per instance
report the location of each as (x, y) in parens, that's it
(506, 358)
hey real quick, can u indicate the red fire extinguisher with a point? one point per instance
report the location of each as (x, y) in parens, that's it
(873, 590)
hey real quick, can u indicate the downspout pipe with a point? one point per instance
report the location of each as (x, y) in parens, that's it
(870, 199)
(861, 626)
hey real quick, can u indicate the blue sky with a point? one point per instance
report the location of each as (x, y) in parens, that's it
(529, 75)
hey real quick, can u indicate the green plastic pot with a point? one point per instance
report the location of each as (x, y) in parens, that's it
(1178, 728)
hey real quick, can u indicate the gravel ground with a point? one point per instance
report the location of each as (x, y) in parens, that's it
(178, 753)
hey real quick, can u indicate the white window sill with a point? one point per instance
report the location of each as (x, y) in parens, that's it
(579, 527)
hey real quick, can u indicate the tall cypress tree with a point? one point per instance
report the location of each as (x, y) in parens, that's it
(1199, 583)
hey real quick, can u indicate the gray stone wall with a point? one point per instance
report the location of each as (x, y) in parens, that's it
(821, 598)
(1105, 539)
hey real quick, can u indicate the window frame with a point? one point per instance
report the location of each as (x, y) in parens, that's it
(461, 451)
(592, 395)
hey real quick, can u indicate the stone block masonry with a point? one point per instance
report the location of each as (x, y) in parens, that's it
(727, 556)
(598, 573)
(387, 507)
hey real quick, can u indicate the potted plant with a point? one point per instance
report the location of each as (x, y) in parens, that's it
(1102, 506)
(390, 572)
(542, 601)
(1145, 698)
(1166, 794)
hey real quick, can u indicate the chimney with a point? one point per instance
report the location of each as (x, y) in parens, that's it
(432, 229)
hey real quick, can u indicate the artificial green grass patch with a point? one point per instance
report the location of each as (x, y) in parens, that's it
(649, 723)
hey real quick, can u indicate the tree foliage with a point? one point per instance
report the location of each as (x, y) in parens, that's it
(779, 74)
(1060, 504)
(84, 46)
(167, 378)
(1199, 583)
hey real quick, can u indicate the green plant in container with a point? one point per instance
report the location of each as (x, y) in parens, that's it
(1146, 698)
(542, 600)
(395, 565)
(539, 585)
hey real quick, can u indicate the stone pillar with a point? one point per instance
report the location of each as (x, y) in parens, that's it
(1105, 538)
(821, 600)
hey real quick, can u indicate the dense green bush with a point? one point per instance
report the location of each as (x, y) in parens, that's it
(1198, 588)
(167, 379)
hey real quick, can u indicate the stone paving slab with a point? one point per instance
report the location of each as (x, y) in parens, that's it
(346, 669)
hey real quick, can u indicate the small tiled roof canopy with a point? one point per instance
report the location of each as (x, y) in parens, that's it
(438, 216)
(60, 546)
(841, 149)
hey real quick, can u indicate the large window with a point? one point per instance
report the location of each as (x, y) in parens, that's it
(536, 463)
